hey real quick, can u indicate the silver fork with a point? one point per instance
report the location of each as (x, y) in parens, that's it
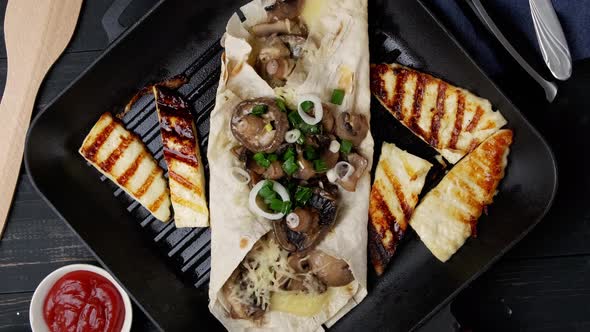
(549, 87)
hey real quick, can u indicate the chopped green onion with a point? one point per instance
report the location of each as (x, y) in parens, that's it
(345, 146)
(272, 157)
(277, 205)
(310, 153)
(309, 129)
(301, 140)
(295, 119)
(281, 104)
(259, 109)
(337, 96)
(267, 191)
(268, 127)
(302, 195)
(289, 166)
(307, 105)
(261, 160)
(290, 153)
(320, 165)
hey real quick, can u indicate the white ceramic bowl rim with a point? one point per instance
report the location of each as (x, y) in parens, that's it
(36, 309)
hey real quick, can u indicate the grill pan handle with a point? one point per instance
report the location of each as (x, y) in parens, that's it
(117, 13)
(110, 19)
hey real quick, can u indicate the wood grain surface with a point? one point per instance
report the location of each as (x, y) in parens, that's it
(543, 284)
(36, 33)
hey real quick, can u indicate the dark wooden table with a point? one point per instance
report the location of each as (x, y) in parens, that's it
(543, 284)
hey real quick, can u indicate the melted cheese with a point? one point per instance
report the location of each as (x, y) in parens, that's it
(298, 303)
(264, 267)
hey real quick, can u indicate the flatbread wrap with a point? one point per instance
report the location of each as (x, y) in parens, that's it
(290, 151)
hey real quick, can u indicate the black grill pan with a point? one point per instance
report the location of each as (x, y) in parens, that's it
(166, 270)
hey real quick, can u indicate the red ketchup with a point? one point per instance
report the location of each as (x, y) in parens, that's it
(83, 301)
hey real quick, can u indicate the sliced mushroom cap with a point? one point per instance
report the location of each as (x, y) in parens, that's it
(329, 157)
(331, 271)
(298, 263)
(307, 219)
(306, 170)
(294, 241)
(328, 119)
(360, 164)
(327, 204)
(352, 127)
(274, 171)
(278, 70)
(239, 309)
(254, 167)
(251, 130)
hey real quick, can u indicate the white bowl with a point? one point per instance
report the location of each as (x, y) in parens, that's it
(36, 309)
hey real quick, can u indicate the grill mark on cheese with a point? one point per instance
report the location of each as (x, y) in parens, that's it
(130, 171)
(380, 249)
(91, 150)
(186, 203)
(475, 120)
(158, 202)
(399, 91)
(148, 182)
(397, 188)
(458, 120)
(112, 159)
(184, 182)
(421, 82)
(177, 129)
(439, 112)
(381, 214)
(378, 83)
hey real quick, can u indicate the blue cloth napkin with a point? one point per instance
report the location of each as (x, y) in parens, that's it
(574, 16)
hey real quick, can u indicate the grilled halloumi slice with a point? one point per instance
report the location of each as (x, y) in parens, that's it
(448, 214)
(185, 169)
(452, 120)
(399, 179)
(123, 158)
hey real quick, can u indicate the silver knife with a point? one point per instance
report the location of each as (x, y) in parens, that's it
(551, 39)
(549, 87)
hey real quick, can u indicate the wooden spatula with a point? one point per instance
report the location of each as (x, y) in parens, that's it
(36, 33)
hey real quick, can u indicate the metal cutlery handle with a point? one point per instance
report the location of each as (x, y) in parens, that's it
(551, 39)
(549, 87)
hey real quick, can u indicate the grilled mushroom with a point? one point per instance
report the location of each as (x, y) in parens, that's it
(259, 133)
(308, 282)
(306, 219)
(304, 235)
(239, 309)
(331, 271)
(274, 171)
(328, 119)
(326, 203)
(352, 127)
(360, 164)
(306, 170)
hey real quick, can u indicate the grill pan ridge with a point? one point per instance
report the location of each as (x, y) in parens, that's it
(165, 269)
